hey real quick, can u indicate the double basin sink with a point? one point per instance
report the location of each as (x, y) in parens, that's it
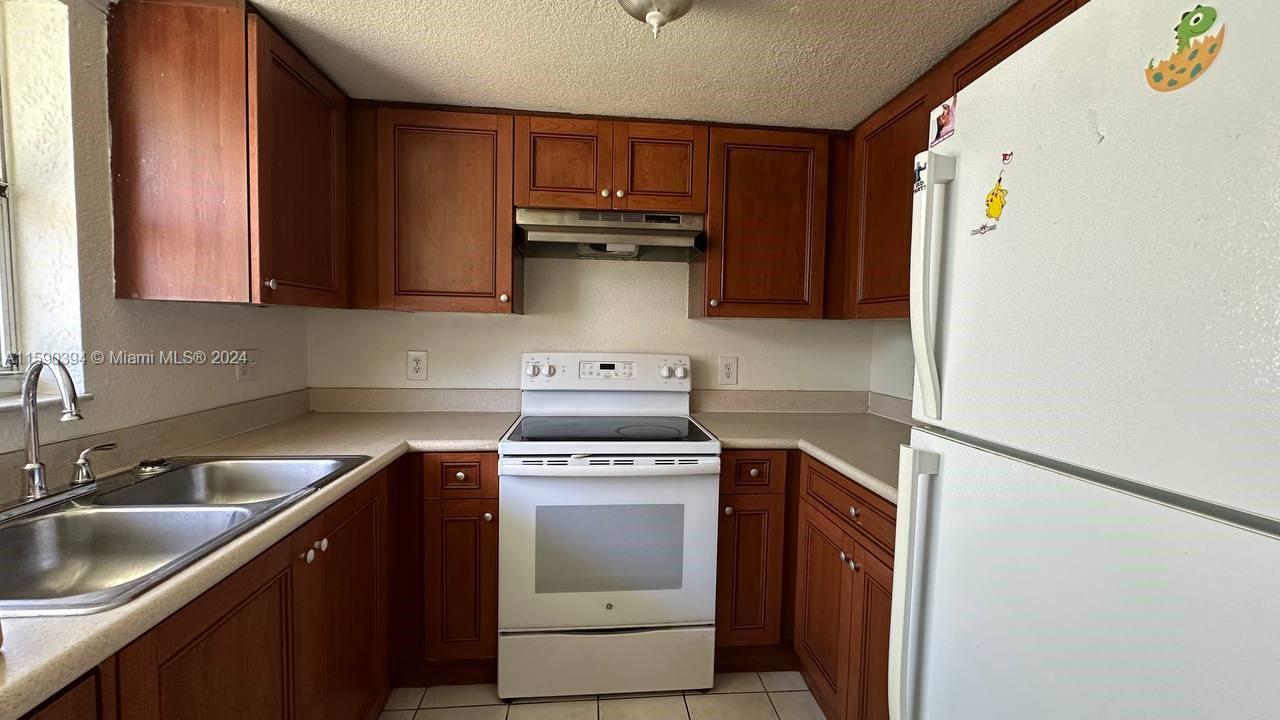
(100, 549)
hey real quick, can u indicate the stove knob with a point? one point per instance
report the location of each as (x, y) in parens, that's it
(682, 372)
(549, 370)
(531, 370)
(664, 372)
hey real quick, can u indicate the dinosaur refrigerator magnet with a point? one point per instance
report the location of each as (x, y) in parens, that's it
(1196, 50)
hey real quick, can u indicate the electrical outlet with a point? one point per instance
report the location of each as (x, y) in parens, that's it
(417, 367)
(247, 367)
(728, 371)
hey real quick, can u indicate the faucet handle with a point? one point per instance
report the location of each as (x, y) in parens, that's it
(84, 472)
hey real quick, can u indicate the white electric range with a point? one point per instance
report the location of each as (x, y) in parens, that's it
(608, 494)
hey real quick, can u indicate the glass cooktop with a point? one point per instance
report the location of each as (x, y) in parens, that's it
(554, 428)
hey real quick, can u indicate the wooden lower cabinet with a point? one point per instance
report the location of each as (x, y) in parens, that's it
(749, 569)
(843, 603)
(298, 632)
(92, 697)
(461, 558)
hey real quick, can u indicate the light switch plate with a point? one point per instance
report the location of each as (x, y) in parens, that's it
(416, 369)
(728, 370)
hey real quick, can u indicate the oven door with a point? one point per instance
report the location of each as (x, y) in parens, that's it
(600, 543)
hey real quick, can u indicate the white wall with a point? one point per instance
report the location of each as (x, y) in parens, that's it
(585, 305)
(126, 395)
(892, 362)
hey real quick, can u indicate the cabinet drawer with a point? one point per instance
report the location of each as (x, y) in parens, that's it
(460, 475)
(753, 471)
(853, 504)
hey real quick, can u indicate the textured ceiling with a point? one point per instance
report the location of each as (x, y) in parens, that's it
(807, 63)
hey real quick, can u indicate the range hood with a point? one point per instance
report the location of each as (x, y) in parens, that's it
(610, 235)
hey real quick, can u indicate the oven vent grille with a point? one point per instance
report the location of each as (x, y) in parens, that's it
(546, 461)
(611, 461)
(676, 461)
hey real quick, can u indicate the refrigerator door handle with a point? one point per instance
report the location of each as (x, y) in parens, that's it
(932, 170)
(914, 469)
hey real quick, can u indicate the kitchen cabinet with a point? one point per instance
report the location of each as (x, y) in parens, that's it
(297, 632)
(884, 150)
(580, 163)
(844, 585)
(444, 213)
(92, 697)
(461, 579)
(460, 519)
(885, 145)
(749, 569)
(228, 159)
(766, 226)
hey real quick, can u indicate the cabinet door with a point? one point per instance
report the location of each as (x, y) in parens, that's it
(564, 163)
(766, 226)
(309, 644)
(297, 171)
(824, 590)
(1018, 26)
(749, 569)
(89, 698)
(884, 150)
(659, 166)
(869, 664)
(461, 579)
(445, 212)
(352, 556)
(225, 655)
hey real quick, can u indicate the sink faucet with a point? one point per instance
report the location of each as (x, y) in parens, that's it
(33, 472)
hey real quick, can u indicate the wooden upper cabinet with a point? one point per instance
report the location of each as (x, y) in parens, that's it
(444, 212)
(563, 162)
(884, 150)
(578, 163)
(1019, 25)
(227, 159)
(659, 167)
(297, 171)
(766, 226)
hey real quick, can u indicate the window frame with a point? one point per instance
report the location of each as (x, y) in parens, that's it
(11, 365)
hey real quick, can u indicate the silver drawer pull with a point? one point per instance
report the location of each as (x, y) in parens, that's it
(728, 511)
(755, 472)
(460, 475)
(853, 511)
(487, 517)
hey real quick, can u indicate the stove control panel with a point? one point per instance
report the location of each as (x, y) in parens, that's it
(605, 371)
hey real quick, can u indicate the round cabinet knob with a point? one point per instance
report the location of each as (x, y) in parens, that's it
(755, 472)
(532, 371)
(322, 544)
(310, 556)
(549, 370)
(854, 566)
(504, 297)
(728, 511)
(271, 283)
(460, 476)
(714, 303)
(682, 372)
(843, 557)
(853, 512)
(664, 372)
(487, 517)
(619, 193)
(604, 192)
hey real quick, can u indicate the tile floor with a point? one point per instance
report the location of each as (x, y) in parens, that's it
(736, 696)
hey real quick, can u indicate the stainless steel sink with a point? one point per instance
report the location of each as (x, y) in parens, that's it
(97, 550)
(93, 558)
(196, 481)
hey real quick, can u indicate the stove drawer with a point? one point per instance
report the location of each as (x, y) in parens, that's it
(460, 476)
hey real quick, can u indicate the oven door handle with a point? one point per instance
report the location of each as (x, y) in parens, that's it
(705, 466)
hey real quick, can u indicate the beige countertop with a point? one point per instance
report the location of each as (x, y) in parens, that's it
(862, 446)
(40, 656)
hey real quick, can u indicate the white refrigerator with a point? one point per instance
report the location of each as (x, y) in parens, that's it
(1089, 516)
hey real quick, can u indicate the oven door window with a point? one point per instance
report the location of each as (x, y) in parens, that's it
(608, 548)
